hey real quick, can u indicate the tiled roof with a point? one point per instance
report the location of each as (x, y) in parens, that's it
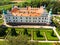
(28, 11)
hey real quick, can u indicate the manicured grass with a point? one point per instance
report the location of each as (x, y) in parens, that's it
(0, 16)
(57, 17)
(1, 21)
(38, 38)
(5, 7)
(58, 31)
(3, 43)
(49, 37)
(45, 43)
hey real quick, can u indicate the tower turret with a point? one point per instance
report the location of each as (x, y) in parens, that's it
(44, 6)
(4, 12)
(50, 12)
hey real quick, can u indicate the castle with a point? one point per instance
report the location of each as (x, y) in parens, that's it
(27, 15)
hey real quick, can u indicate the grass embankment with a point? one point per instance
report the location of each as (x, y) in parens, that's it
(1, 21)
(3, 43)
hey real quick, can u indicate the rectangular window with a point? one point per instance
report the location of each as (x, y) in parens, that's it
(35, 18)
(21, 20)
(6, 18)
(13, 20)
(30, 18)
(6, 21)
(16, 20)
(42, 18)
(45, 18)
(13, 17)
(26, 21)
(35, 21)
(9, 20)
(39, 21)
(20, 17)
(26, 17)
(39, 18)
(16, 17)
(9, 17)
(42, 21)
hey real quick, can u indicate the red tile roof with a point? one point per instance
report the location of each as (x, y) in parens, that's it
(27, 11)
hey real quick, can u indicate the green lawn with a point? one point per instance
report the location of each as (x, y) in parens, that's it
(38, 38)
(3, 43)
(45, 43)
(57, 17)
(34, 36)
(47, 33)
(0, 16)
(58, 31)
(1, 21)
(49, 37)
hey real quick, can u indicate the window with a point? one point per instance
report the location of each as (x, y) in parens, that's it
(13, 17)
(39, 18)
(6, 18)
(42, 21)
(20, 17)
(21, 20)
(39, 21)
(13, 20)
(9, 20)
(42, 18)
(6, 21)
(9, 17)
(16, 20)
(26, 21)
(26, 17)
(45, 18)
(16, 17)
(29, 18)
(35, 21)
(35, 18)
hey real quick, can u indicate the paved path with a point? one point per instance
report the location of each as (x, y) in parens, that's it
(54, 29)
(2, 39)
(29, 26)
(37, 41)
(45, 36)
(0, 18)
(45, 41)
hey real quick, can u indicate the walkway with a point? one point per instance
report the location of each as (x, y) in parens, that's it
(54, 29)
(45, 41)
(45, 36)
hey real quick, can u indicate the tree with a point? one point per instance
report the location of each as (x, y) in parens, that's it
(38, 34)
(25, 31)
(19, 40)
(2, 32)
(13, 32)
(57, 43)
(52, 34)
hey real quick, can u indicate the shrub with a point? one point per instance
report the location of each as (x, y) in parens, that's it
(2, 32)
(38, 34)
(13, 32)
